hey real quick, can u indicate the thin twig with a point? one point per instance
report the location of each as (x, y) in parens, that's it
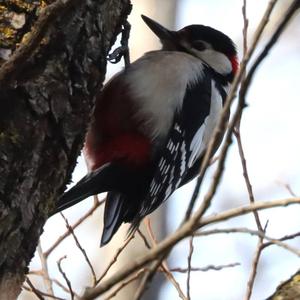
(255, 260)
(125, 283)
(42, 294)
(164, 266)
(253, 272)
(32, 289)
(284, 238)
(63, 287)
(237, 133)
(45, 272)
(147, 278)
(183, 231)
(54, 280)
(172, 279)
(68, 282)
(143, 237)
(36, 272)
(238, 123)
(80, 248)
(115, 258)
(75, 225)
(205, 269)
(188, 279)
(245, 27)
(288, 188)
(272, 241)
(246, 174)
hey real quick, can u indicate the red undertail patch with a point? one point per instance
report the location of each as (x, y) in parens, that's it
(130, 148)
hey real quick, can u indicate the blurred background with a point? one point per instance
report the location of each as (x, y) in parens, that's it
(270, 135)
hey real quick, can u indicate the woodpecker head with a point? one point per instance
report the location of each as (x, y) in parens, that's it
(213, 47)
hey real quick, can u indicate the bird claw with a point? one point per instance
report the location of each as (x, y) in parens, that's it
(123, 50)
(117, 54)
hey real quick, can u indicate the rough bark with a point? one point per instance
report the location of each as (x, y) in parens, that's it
(45, 101)
(289, 289)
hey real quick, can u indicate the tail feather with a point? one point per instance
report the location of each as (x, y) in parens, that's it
(91, 184)
(125, 187)
(120, 208)
(113, 215)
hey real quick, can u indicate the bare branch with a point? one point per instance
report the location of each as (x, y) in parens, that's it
(33, 289)
(115, 258)
(205, 269)
(164, 266)
(45, 272)
(288, 188)
(188, 279)
(144, 238)
(149, 273)
(255, 261)
(284, 238)
(63, 287)
(75, 225)
(125, 283)
(80, 248)
(172, 279)
(39, 293)
(54, 280)
(246, 175)
(245, 27)
(260, 234)
(185, 230)
(68, 282)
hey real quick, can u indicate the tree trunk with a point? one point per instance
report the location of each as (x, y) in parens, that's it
(47, 92)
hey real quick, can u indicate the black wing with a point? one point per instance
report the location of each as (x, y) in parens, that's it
(184, 146)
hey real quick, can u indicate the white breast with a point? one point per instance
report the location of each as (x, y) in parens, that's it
(158, 82)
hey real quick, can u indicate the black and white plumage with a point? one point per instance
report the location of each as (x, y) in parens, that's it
(153, 122)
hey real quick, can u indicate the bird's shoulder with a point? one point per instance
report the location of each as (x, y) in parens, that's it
(167, 67)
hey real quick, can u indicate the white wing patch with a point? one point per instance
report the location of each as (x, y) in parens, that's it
(204, 133)
(183, 159)
(196, 143)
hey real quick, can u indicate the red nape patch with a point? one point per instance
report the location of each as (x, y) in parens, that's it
(234, 63)
(130, 148)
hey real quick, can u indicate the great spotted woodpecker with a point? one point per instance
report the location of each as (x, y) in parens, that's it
(152, 123)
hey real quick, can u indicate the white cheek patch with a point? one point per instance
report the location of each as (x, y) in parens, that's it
(216, 60)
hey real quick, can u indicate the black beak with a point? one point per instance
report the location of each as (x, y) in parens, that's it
(163, 33)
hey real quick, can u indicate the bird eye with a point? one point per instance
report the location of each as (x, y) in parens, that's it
(199, 45)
